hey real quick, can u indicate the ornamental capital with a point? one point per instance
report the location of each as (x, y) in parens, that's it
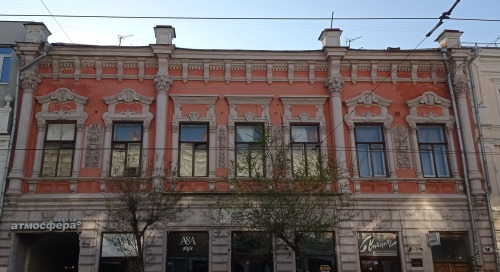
(162, 83)
(460, 86)
(29, 81)
(335, 84)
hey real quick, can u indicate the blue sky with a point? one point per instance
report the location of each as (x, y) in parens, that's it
(260, 35)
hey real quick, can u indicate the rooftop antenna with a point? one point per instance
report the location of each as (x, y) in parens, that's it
(349, 40)
(121, 37)
(331, 21)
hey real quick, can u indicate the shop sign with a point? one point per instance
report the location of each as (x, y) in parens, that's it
(187, 244)
(417, 263)
(325, 268)
(434, 239)
(377, 244)
(61, 225)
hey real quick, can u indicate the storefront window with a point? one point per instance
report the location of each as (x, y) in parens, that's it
(318, 253)
(118, 252)
(378, 252)
(187, 252)
(251, 252)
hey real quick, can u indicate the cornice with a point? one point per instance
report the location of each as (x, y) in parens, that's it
(194, 99)
(303, 100)
(249, 99)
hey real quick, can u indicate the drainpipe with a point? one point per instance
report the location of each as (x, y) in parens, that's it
(462, 155)
(483, 157)
(46, 49)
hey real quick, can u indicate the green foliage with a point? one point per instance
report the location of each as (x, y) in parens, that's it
(285, 200)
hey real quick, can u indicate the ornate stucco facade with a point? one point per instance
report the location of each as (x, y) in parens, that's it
(339, 90)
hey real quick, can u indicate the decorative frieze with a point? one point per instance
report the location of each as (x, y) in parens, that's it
(400, 135)
(93, 146)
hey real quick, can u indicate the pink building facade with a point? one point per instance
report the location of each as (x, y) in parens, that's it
(404, 134)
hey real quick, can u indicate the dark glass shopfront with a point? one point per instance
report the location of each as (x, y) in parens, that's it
(187, 252)
(378, 252)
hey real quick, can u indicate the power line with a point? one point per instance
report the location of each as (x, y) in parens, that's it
(247, 18)
(53, 17)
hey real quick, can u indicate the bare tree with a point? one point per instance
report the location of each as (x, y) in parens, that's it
(136, 207)
(289, 191)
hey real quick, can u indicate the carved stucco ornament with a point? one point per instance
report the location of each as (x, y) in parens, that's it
(400, 135)
(30, 80)
(335, 84)
(93, 147)
(460, 86)
(222, 146)
(163, 83)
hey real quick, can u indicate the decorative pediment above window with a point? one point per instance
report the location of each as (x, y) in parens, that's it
(429, 99)
(368, 99)
(429, 108)
(235, 100)
(206, 100)
(70, 106)
(128, 96)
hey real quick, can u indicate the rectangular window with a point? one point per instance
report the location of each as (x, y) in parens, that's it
(58, 150)
(117, 252)
(305, 149)
(126, 150)
(370, 150)
(193, 155)
(433, 151)
(5, 63)
(251, 252)
(250, 150)
(318, 252)
(378, 251)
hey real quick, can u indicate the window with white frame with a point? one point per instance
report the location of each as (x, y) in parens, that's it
(249, 142)
(5, 63)
(370, 148)
(305, 149)
(193, 155)
(118, 252)
(433, 151)
(59, 146)
(126, 150)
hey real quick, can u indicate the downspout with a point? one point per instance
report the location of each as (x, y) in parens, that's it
(14, 122)
(462, 155)
(483, 157)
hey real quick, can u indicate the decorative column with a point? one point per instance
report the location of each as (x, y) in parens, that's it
(106, 154)
(335, 85)
(37, 161)
(162, 85)
(29, 83)
(416, 154)
(461, 89)
(451, 142)
(390, 150)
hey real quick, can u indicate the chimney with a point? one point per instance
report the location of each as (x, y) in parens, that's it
(449, 38)
(164, 34)
(36, 32)
(330, 37)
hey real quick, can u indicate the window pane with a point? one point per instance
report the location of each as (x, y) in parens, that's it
(128, 132)
(364, 164)
(305, 134)
(118, 167)
(427, 161)
(451, 248)
(61, 132)
(65, 158)
(430, 134)
(369, 134)
(50, 162)
(441, 161)
(193, 133)
(378, 160)
(4, 77)
(248, 133)
(118, 245)
(299, 159)
(186, 160)
(200, 163)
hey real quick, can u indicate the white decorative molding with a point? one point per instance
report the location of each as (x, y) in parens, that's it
(127, 96)
(368, 100)
(78, 115)
(430, 101)
(207, 117)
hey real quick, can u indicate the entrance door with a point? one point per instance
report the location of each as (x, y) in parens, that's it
(451, 267)
(48, 252)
